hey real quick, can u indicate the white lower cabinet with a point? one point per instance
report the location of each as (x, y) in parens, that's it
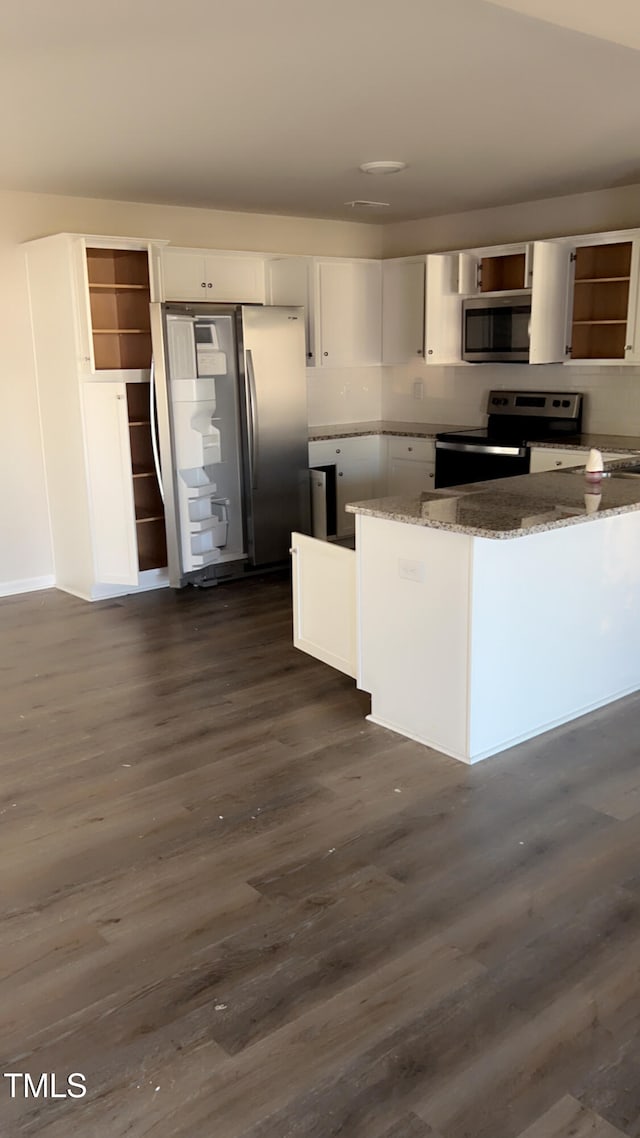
(411, 465)
(110, 487)
(358, 472)
(552, 458)
(324, 602)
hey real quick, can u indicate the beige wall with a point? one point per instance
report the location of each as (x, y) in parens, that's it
(579, 213)
(25, 548)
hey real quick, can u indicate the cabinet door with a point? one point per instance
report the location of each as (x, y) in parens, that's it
(349, 303)
(550, 302)
(290, 281)
(324, 602)
(410, 477)
(443, 332)
(632, 344)
(235, 280)
(402, 311)
(109, 476)
(184, 275)
(358, 476)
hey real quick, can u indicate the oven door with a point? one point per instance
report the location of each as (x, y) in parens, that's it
(459, 463)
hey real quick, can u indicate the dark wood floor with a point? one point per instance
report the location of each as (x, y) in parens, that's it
(240, 910)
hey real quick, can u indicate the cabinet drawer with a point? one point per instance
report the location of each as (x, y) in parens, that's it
(550, 458)
(420, 450)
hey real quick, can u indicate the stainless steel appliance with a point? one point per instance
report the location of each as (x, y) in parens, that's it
(500, 450)
(231, 398)
(497, 328)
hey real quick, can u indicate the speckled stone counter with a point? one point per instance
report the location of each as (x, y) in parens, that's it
(630, 443)
(515, 507)
(383, 427)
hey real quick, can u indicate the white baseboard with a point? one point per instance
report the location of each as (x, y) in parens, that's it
(26, 585)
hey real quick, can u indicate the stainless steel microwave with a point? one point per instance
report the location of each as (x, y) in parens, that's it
(496, 328)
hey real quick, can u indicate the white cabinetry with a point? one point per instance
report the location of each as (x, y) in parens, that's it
(411, 465)
(553, 458)
(403, 310)
(358, 466)
(198, 274)
(89, 297)
(290, 280)
(443, 312)
(603, 299)
(324, 602)
(349, 305)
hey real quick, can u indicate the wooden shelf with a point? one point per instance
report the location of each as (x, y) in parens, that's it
(144, 474)
(599, 322)
(139, 422)
(111, 287)
(600, 280)
(121, 331)
(150, 518)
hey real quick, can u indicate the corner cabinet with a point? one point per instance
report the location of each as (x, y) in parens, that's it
(89, 301)
(403, 310)
(206, 275)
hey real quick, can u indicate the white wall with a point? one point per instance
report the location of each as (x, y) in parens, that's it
(25, 547)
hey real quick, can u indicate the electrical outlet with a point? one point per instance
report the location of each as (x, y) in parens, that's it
(418, 389)
(410, 570)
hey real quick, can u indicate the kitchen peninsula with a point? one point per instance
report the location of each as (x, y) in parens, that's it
(482, 615)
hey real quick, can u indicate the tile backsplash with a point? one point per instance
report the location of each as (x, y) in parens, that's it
(344, 395)
(459, 394)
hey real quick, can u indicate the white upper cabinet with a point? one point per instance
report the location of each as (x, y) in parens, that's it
(349, 305)
(552, 275)
(443, 310)
(403, 310)
(603, 300)
(290, 280)
(507, 269)
(197, 274)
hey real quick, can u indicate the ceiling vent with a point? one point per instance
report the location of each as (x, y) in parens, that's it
(368, 205)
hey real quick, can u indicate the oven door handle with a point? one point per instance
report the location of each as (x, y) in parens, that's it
(480, 448)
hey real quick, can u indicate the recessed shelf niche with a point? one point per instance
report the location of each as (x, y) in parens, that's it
(119, 293)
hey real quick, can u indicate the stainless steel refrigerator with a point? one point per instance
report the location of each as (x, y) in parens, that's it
(231, 442)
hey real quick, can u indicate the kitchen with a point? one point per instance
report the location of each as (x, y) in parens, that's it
(232, 902)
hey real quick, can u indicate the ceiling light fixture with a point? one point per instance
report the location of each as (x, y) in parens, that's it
(383, 167)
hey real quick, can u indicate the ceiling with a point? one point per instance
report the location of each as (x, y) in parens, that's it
(271, 105)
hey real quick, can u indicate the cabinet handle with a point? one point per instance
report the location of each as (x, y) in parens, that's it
(628, 347)
(309, 355)
(209, 285)
(203, 284)
(419, 352)
(558, 462)
(325, 353)
(338, 451)
(339, 474)
(409, 448)
(430, 352)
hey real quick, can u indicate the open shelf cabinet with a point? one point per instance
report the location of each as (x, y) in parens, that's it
(601, 301)
(149, 508)
(119, 295)
(503, 274)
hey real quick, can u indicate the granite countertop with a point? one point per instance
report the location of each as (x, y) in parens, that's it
(585, 441)
(383, 427)
(514, 507)
(621, 443)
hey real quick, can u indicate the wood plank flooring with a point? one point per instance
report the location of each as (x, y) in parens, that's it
(242, 911)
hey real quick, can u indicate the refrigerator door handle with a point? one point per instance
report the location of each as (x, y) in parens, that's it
(252, 419)
(154, 428)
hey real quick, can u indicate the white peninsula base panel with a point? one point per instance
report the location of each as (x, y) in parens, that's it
(471, 645)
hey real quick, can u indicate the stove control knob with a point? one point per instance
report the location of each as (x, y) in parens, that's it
(556, 403)
(565, 403)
